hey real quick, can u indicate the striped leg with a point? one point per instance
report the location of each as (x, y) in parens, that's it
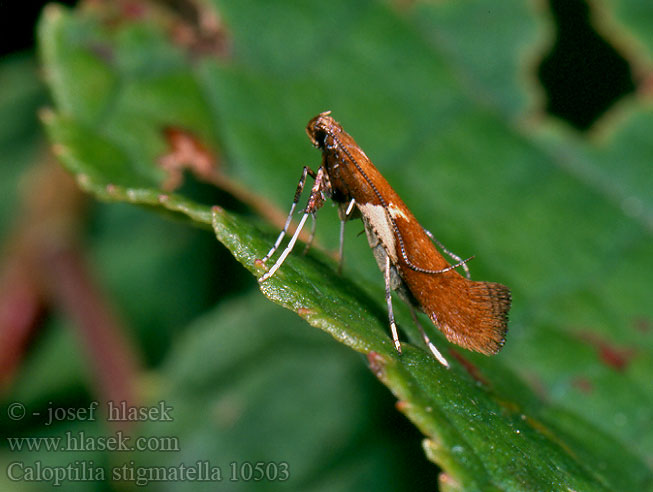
(341, 249)
(286, 251)
(388, 299)
(311, 236)
(298, 193)
(436, 353)
(320, 190)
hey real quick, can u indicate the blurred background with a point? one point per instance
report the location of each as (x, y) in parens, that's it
(111, 302)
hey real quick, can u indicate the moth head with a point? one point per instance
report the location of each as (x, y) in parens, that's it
(319, 127)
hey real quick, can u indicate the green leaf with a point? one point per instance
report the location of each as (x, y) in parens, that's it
(468, 417)
(308, 410)
(565, 223)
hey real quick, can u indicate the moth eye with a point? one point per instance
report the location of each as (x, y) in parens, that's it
(319, 138)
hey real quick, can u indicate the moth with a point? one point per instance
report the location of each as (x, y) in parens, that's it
(471, 314)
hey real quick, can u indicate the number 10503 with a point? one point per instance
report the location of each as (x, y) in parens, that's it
(257, 471)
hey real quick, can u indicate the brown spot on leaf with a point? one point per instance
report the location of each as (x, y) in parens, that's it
(194, 25)
(615, 357)
(133, 10)
(118, 12)
(198, 27)
(186, 151)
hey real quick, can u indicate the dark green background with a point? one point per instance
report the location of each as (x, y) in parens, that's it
(445, 100)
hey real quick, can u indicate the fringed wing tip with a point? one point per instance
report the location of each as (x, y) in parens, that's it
(484, 324)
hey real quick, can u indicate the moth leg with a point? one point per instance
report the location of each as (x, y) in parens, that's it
(321, 189)
(451, 255)
(312, 235)
(286, 251)
(300, 187)
(388, 299)
(436, 353)
(350, 207)
(341, 248)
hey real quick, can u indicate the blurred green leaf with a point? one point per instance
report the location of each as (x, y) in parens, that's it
(551, 216)
(20, 140)
(305, 409)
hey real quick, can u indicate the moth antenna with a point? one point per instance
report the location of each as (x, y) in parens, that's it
(414, 267)
(451, 267)
(384, 204)
(451, 255)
